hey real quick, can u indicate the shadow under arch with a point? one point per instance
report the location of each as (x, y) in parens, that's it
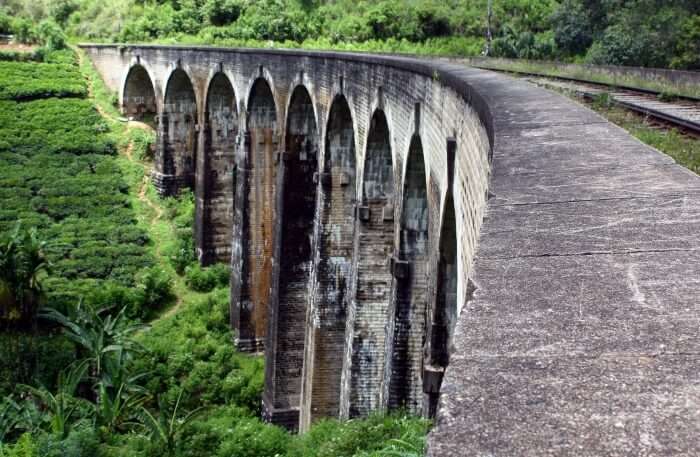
(445, 312)
(139, 95)
(220, 134)
(325, 338)
(285, 349)
(411, 272)
(178, 133)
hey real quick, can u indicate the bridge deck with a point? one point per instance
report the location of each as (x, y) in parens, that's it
(583, 336)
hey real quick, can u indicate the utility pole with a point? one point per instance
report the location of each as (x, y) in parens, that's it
(488, 28)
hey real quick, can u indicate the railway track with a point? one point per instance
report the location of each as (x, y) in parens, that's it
(681, 112)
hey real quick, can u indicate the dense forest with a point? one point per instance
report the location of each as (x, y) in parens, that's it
(658, 33)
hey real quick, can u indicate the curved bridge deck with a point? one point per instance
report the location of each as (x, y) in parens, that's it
(582, 336)
(578, 332)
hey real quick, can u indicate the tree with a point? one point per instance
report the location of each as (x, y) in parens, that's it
(22, 265)
(571, 23)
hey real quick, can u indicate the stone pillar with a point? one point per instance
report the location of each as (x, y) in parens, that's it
(201, 190)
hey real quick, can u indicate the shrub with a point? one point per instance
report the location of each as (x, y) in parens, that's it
(193, 351)
(206, 279)
(393, 434)
(5, 22)
(156, 285)
(23, 30)
(142, 141)
(51, 36)
(80, 442)
(573, 32)
(222, 12)
(181, 211)
(32, 358)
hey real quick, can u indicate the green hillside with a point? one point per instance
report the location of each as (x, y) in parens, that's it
(659, 33)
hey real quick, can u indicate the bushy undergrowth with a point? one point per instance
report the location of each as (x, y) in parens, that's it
(180, 211)
(193, 351)
(206, 279)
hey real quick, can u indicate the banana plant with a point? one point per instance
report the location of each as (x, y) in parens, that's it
(166, 428)
(117, 411)
(98, 333)
(62, 405)
(9, 418)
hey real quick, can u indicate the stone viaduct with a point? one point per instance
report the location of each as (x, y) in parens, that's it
(350, 194)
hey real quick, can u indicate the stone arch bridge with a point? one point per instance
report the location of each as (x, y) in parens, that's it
(349, 194)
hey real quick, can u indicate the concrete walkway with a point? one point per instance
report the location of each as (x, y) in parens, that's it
(583, 335)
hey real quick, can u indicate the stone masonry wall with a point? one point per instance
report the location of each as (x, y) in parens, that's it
(363, 302)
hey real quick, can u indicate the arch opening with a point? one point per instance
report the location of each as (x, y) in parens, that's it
(139, 96)
(445, 313)
(258, 215)
(221, 130)
(297, 255)
(179, 131)
(325, 338)
(405, 388)
(374, 278)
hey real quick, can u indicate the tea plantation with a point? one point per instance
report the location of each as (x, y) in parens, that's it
(59, 175)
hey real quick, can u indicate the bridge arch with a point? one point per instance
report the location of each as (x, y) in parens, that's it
(444, 313)
(179, 130)
(138, 95)
(411, 273)
(258, 213)
(375, 245)
(325, 336)
(218, 166)
(296, 259)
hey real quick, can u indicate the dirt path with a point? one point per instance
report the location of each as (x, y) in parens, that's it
(156, 211)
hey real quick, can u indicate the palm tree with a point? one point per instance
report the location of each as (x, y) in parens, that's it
(22, 265)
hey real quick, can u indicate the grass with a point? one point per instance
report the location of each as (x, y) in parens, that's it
(589, 73)
(684, 149)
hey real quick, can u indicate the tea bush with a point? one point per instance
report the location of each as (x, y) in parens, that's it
(68, 126)
(59, 176)
(25, 80)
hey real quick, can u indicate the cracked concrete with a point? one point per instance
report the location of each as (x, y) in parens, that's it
(582, 337)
